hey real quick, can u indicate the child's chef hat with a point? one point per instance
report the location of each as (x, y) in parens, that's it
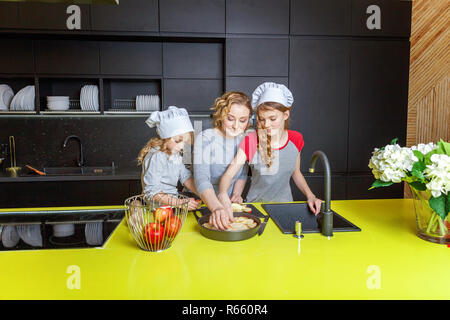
(171, 122)
(272, 92)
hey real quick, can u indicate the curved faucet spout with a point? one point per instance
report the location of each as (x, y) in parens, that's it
(327, 214)
(80, 160)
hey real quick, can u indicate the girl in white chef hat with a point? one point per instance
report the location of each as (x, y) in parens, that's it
(161, 160)
(272, 152)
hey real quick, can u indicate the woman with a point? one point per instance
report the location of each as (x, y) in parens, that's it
(215, 148)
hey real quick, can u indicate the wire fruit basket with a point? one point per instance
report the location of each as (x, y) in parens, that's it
(155, 224)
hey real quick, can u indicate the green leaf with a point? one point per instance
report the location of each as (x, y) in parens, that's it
(447, 206)
(418, 185)
(438, 205)
(378, 183)
(419, 155)
(445, 145)
(394, 141)
(417, 170)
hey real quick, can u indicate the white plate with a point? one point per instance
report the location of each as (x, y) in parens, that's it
(96, 104)
(6, 96)
(10, 237)
(82, 98)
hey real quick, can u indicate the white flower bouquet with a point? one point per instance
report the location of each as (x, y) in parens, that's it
(426, 169)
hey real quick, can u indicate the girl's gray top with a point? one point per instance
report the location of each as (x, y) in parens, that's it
(272, 184)
(212, 155)
(161, 173)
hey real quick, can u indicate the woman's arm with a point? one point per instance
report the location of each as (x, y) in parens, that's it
(239, 186)
(313, 203)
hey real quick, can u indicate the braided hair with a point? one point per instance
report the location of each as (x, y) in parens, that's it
(264, 140)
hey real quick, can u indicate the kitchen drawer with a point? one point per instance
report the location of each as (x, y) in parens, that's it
(261, 57)
(321, 17)
(317, 186)
(129, 15)
(67, 57)
(205, 16)
(250, 16)
(131, 58)
(50, 16)
(193, 60)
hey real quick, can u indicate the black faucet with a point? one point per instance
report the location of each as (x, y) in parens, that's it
(80, 161)
(326, 219)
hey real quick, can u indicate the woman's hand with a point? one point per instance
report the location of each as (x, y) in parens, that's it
(236, 198)
(220, 218)
(314, 204)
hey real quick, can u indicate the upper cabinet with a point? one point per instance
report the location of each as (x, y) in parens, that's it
(320, 17)
(204, 16)
(16, 56)
(257, 57)
(258, 16)
(381, 18)
(9, 15)
(129, 15)
(67, 57)
(54, 16)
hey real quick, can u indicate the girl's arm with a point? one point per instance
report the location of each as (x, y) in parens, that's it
(313, 203)
(189, 183)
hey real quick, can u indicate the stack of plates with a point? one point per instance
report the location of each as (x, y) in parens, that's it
(30, 234)
(63, 230)
(58, 103)
(94, 233)
(23, 100)
(6, 95)
(147, 103)
(89, 98)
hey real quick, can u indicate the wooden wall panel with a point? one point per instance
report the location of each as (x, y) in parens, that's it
(428, 100)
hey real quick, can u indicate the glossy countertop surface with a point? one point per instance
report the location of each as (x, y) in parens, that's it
(386, 260)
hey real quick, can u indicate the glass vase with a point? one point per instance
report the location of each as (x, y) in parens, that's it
(430, 226)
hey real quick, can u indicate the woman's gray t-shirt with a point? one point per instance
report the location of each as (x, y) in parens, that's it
(212, 155)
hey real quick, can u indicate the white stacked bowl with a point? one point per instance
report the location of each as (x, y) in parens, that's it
(58, 103)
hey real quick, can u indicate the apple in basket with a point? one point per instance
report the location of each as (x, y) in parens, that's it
(162, 213)
(172, 226)
(154, 233)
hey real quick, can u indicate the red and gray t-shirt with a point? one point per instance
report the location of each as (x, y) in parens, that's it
(272, 184)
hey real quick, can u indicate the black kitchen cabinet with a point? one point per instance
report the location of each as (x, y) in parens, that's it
(196, 95)
(321, 17)
(316, 184)
(129, 15)
(257, 16)
(193, 60)
(9, 15)
(358, 185)
(16, 56)
(248, 84)
(386, 18)
(378, 98)
(257, 57)
(204, 16)
(131, 58)
(67, 57)
(319, 81)
(53, 16)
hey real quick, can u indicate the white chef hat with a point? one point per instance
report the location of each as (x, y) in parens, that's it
(272, 92)
(171, 122)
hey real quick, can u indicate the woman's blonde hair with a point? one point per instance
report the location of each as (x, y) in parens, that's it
(157, 142)
(222, 106)
(264, 140)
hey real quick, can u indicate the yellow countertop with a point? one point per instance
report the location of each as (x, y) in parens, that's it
(386, 260)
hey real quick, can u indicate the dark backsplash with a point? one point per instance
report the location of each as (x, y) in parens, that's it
(39, 141)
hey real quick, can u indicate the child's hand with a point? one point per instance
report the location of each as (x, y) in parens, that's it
(235, 198)
(314, 204)
(193, 204)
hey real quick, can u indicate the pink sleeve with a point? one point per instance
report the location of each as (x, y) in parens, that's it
(297, 139)
(248, 145)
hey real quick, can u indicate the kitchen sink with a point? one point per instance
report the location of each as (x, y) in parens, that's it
(57, 229)
(69, 171)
